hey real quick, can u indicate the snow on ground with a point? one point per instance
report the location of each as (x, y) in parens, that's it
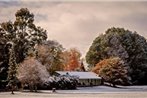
(84, 92)
(105, 89)
(67, 95)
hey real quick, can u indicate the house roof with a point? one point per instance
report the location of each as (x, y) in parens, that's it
(81, 75)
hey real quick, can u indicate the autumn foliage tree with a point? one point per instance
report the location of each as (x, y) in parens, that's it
(113, 71)
(72, 60)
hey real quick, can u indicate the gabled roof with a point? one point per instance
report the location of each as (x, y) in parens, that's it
(81, 75)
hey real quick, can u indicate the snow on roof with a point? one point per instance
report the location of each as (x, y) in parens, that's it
(81, 75)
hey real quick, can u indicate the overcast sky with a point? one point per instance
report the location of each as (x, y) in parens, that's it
(77, 24)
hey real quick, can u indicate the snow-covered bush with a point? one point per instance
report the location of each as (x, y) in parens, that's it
(61, 82)
(32, 72)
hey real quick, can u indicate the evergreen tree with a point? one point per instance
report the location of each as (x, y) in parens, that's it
(12, 79)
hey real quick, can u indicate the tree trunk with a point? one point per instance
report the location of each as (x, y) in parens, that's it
(12, 89)
(113, 85)
(31, 88)
(35, 88)
(22, 86)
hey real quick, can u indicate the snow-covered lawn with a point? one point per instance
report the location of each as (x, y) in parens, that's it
(72, 95)
(84, 92)
(105, 89)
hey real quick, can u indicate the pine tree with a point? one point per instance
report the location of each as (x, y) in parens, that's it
(12, 69)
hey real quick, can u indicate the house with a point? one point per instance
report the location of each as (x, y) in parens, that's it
(85, 78)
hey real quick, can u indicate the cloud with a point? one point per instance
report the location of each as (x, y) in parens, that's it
(77, 24)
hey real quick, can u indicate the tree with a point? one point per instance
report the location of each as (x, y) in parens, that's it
(23, 33)
(81, 67)
(72, 60)
(50, 55)
(12, 79)
(32, 72)
(113, 70)
(125, 44)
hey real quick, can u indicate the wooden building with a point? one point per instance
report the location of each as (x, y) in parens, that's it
(85, 78)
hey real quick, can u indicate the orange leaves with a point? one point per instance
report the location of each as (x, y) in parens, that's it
(112, 70)
(55, 58)
(100, 65)
(72, 59)
(107, 62)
